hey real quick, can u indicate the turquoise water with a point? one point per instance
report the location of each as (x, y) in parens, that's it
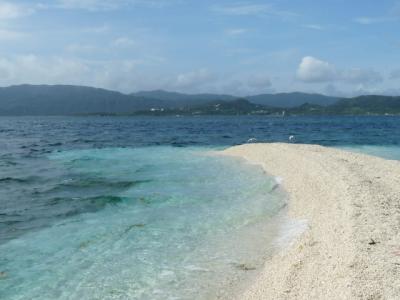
(181, 224)
(141, 208)
(387, 152)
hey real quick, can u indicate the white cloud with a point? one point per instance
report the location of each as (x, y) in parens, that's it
(81, 48)
(243, 9)
(392, 15)
(32, 69)
(361, 76)
(207, 81)
(389, 92)
(236, 31)
(314, 26)
(129, 75)
(97, 29)
(395, 74)
(96, 5)
(251, 9)
(372, 20)
(123, 42)
(90, 4)
(332, 90)
(195, 79)
(7, 35)
(10, 10)
(124, 75)
(259, 82)
(313, 70)
(244, 84)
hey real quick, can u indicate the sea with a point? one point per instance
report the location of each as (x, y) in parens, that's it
(145, 208)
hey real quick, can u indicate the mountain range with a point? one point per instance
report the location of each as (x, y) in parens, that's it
(276, 100)
(77, 100)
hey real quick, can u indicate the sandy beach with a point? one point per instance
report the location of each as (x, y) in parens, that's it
(351, 247)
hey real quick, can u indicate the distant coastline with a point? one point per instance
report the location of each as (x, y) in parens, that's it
(243, 107)
(51, 100)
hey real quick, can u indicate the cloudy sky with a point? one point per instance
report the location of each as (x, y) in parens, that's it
(335, 47)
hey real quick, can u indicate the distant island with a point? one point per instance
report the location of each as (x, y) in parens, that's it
(79, 100)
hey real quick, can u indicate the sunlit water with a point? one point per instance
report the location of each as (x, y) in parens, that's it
(142, 208)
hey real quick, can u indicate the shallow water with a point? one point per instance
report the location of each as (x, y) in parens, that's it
(388, 152)
(146, 223)
(140, 208)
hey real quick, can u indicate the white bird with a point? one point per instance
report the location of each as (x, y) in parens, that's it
(252, 140)
(291, 138)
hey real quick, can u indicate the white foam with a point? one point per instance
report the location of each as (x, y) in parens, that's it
(278, 180)
(290, 229)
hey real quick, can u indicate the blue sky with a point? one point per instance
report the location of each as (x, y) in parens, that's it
(334, 47)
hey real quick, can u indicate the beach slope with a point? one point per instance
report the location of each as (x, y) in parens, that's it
(351, 247)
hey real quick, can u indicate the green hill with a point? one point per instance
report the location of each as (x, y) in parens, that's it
(76, 100)
(366, 105)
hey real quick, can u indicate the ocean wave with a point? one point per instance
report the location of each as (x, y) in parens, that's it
(17, 180)
(75, 206)
(98, 183)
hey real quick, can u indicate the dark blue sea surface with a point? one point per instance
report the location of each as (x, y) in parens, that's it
(32, 136)
(141, 207)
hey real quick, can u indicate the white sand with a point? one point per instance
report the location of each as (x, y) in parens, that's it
(351, 249)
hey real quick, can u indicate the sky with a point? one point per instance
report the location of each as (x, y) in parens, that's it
(334, 47)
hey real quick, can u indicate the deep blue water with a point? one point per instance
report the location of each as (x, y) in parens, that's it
(32, 136)
(141, 208)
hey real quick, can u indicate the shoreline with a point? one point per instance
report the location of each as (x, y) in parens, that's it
(351, 246)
